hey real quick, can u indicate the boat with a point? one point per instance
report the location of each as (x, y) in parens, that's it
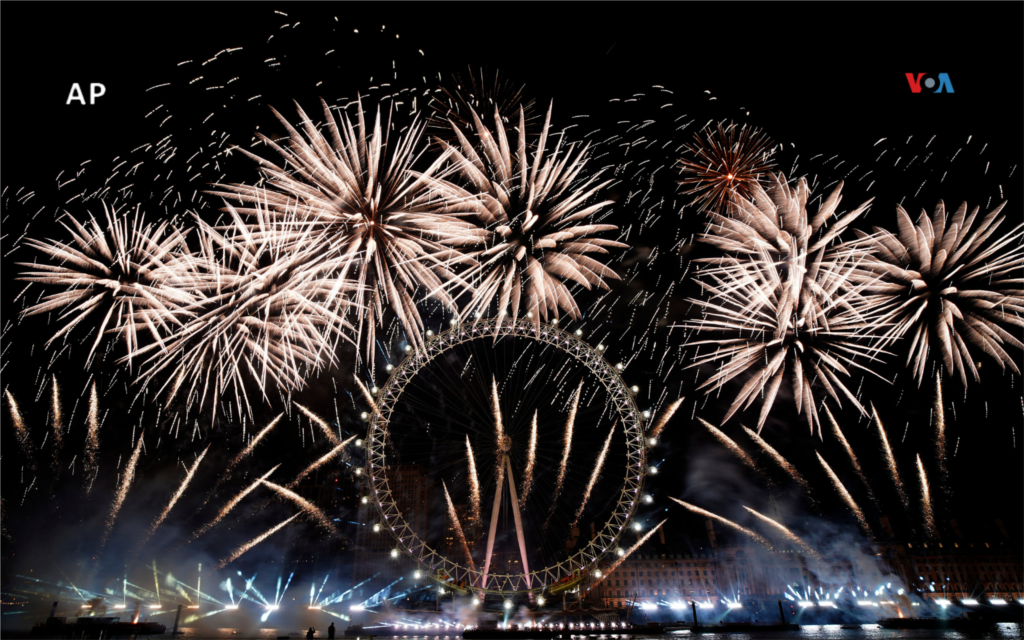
(95, 627)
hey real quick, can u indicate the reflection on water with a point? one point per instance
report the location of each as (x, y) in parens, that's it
(809, 632)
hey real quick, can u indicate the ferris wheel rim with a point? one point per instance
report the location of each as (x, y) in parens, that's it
(576, 565)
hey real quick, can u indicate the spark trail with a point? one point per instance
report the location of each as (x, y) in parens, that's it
(369, 398)
(58, 425)
(890, 460)
(318, 421)
(92, 441)
(531, 460)
(756, 537)
(252, 543)
(232, 504)
(474, 482)
(122, 491)
(639, 543)
(847, 498)
(499, 428)
(789, 535)
(320, 462)
(174, 499)
(926, 501)
(458, 527)
(308, 507)
(566, 448)
(255, 441)
(940, 433)
(730, 444)
(19, 428)
(849, 452)
(595, 475)
(663, 419)
(779, 460)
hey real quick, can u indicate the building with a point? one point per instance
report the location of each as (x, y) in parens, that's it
(411, 490)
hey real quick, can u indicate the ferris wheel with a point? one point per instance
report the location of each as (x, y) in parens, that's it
(503, 469)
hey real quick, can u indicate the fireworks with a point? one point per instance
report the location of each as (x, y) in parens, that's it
(531, 460)
(948, 288)
(308, 507)
(789, 535)
(779, 460)
(566, 446)
(534, 220)
(786, 302)
(92, 440)
(940, 430)
(367, 217)
(128, 271)
(232, 503)
(639, 543)
(320, 462)
(458, 527)
(366, 394)
(19, 426)
(663, 419)
(318, 421)
(725, 161)
(174, 499)
(926, 501)
(730, 444)
(756, 537)
(849, 452)
(890, 460)
(474, 482)
(58, 425)
(255, 441)
(252, 543)
(499, 429)
(483, 93)
(122, 491)
(595, 475)
(847, 498)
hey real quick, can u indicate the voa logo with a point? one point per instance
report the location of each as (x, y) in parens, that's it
(935, 82)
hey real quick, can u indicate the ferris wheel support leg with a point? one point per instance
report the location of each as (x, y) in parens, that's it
(493, 530)
(519, 521)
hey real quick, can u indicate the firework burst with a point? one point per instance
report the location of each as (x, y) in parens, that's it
(255, 441)
(785, 303)
(479, 92)
(723, 161)
(951, 286)
(320, 422)
(534, 220)
(366, 217)
(268, 313)
(127, 271)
